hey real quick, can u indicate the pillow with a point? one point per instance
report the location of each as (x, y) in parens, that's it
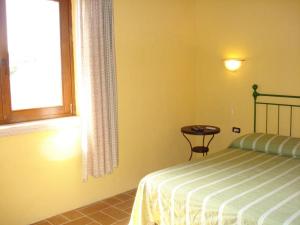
(269, 143)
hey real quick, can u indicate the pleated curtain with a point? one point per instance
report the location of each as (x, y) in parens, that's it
(97, 87)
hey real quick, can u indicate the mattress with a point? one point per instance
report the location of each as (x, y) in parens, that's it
(237, 185)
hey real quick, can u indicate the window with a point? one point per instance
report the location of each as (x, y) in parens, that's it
(36, 67)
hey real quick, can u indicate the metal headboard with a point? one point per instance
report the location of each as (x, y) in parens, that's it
(279, 105)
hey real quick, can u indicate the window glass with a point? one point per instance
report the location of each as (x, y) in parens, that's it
(33, 33)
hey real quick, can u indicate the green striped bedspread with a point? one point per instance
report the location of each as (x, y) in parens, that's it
(233, 186)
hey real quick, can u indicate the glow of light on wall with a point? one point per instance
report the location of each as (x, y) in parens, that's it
(61, 145)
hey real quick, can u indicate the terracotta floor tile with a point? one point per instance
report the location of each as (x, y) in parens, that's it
(123, 197)
(80, 221)
(44, 222)
(115, 213)
(102, 218)
(128, 211)
(125, 205)
(111, 211)
(93, 208)
(112, 201)
(57, 220)
(72, 214)
(131, 192)
(122, 222)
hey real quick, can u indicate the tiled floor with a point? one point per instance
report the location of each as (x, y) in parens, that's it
(112, 211)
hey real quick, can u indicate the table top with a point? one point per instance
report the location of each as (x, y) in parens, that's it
(200, 130)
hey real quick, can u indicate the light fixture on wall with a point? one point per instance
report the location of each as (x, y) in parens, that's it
(233, 64)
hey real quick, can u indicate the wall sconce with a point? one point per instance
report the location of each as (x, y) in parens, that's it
(233, 64)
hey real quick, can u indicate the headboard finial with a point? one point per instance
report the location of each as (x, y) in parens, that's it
(255, 93)
(254, 86)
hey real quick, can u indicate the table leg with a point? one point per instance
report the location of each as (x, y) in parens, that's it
(190, 146)
(191, 155)
(210, 140)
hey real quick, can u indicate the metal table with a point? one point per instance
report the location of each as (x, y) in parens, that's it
(202, 130)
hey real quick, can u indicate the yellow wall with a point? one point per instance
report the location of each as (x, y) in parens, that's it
(267, 34)
(170, 73)
(40, 173)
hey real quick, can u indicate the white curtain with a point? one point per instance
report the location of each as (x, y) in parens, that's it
(98, 96)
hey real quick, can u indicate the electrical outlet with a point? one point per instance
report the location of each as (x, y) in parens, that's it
(236, 130)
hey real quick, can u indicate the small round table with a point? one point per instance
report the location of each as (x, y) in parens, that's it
(202, 130)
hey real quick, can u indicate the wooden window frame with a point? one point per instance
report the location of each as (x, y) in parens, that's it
(7, 115)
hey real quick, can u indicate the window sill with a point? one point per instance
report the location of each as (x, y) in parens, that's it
(40, 125)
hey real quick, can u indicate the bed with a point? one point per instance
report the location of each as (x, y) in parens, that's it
(255, 181)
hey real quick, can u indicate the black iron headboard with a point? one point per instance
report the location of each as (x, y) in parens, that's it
(279, 105)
